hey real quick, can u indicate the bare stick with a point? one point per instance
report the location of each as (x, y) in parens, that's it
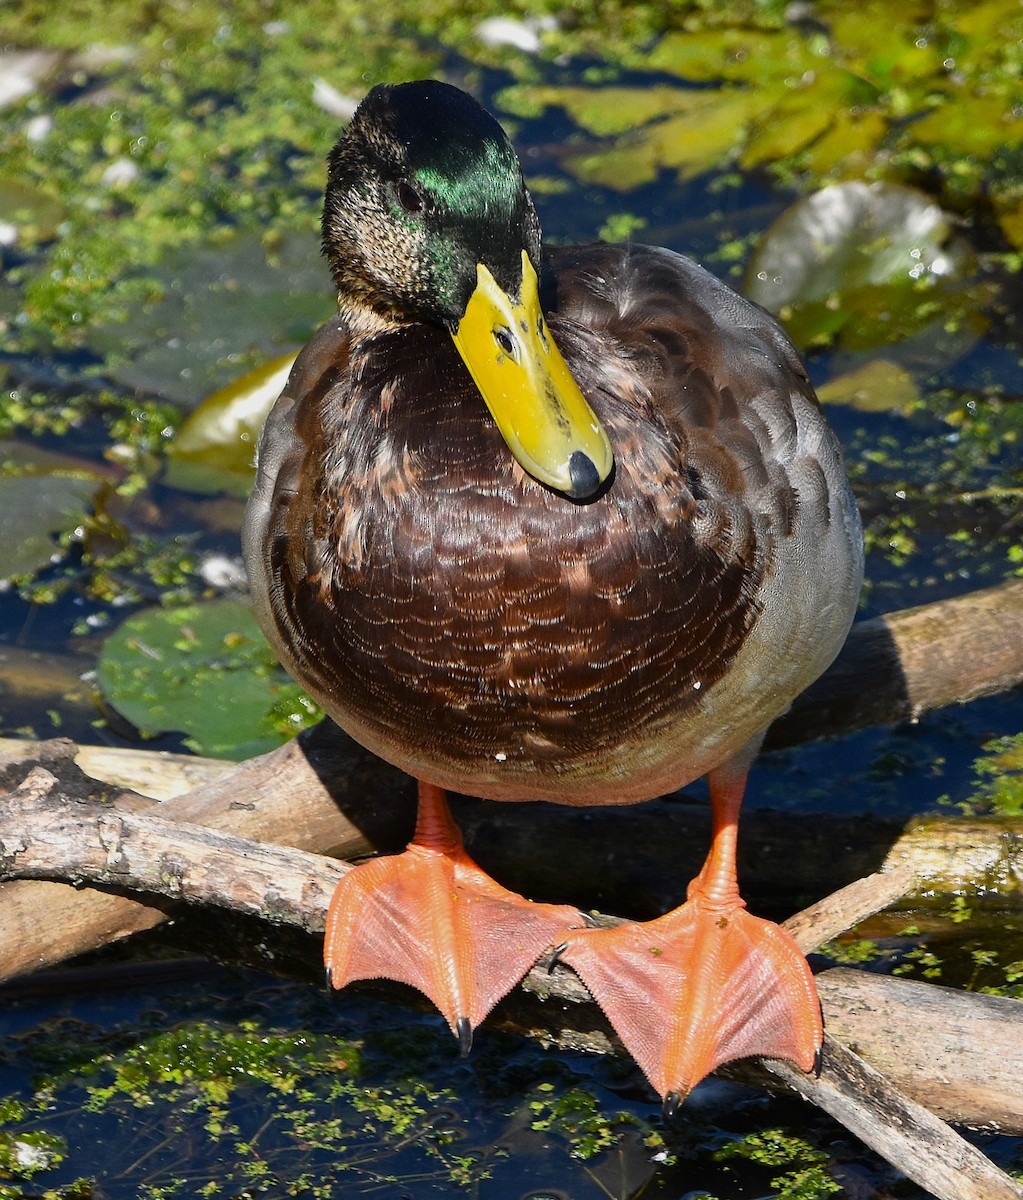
(91, 841)
(46, 836)
(292, 795)
(900, 1130)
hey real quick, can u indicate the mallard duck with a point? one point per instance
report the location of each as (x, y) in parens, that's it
(547, 524)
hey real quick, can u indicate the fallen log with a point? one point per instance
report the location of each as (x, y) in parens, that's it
(946, 1166)
(324, 793)
(901, 665)
(44, 833)
(921, 1037)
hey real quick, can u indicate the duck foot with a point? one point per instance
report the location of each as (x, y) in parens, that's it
(432, 918)
(697, 988)
(708, 982)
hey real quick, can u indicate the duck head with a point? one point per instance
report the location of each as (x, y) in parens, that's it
(427, 218)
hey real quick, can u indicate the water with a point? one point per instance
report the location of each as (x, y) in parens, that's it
(412, 1119)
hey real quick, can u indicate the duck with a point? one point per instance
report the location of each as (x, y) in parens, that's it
(538, 523)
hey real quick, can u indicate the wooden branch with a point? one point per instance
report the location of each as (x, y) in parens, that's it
(900, 1130)
(293, 795)
(901, 1024)
(920, 1035)
(904, 664)
(44, 834)
(325, 793)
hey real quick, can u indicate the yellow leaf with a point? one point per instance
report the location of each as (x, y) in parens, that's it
(621, 167)
(781, 133)
(753, 56)
(854, 135)
(989, 25)
(970, 124)
(690, 142)
(693, 146)
(1010, 218)
(609, 110)
(878, 386)
(802, 113)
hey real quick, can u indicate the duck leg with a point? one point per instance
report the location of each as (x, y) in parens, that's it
(430, 917)
(707, 983)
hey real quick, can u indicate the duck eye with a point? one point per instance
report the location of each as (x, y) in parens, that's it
(409, 199)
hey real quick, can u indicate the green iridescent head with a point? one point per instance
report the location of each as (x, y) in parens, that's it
(422, 186)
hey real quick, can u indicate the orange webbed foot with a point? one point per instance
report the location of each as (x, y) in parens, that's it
(707, 983)
(697, 988)
(432, 918)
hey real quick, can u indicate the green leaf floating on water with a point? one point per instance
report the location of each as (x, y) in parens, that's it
(34, 509)
(230, 300)
(215, 449)
(204, 670)
(865, 265)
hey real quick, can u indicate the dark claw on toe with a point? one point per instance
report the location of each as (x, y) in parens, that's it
(329, 981)
(672, 1103)
(463, 1031)
(556, 953)
(818, 1058)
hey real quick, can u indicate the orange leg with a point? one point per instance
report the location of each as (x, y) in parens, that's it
(430, 917)
(707, 983)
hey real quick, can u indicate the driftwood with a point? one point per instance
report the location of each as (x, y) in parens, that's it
(43, 835)
(920, 1036)
(932, 1155)
(962, 1053)
(324, 793)
(904, 664)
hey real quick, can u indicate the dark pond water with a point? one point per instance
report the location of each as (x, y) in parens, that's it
(182, 1080)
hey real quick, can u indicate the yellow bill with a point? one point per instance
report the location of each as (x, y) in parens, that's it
(537, 405)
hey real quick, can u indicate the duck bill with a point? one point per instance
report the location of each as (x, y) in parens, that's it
(537, 405)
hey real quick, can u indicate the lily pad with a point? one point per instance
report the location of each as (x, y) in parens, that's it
(214, 450)
(204, 670)
(34, 509)
(864, 265)
(215, 304)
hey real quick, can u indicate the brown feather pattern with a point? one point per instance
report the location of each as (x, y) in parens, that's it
(488, 634)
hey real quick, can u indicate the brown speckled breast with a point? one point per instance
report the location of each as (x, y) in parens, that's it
(486, 634)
